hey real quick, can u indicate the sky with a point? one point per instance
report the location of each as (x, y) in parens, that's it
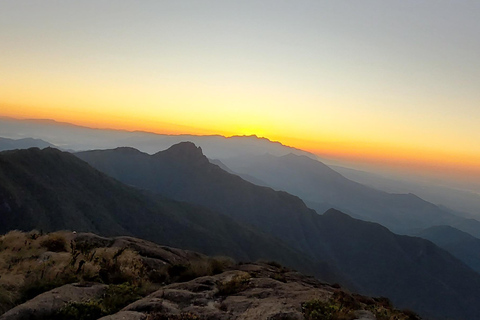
(384, 83)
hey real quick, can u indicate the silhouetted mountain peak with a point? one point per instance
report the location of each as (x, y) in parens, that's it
(33, 151)
(339, 217)
(185, 151)
(335, 213)
(127, 150)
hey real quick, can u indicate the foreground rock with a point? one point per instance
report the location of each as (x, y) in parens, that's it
(145, 281)
(49, 303)
(253, 291)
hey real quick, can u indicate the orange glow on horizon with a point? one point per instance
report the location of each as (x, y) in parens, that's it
(396, 157)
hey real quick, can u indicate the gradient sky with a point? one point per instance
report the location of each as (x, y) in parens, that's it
(379, 81)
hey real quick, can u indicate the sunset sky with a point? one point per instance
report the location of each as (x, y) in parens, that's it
(376, 81)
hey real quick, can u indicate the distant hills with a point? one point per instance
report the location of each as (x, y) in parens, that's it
(460, 244)
(413, 272)
(78, 138)
(73, 137)
(25, 143)
(321, 186)
(465, 202)
(178, 197)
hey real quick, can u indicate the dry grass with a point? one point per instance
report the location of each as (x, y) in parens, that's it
(31, 263)
(238, 283)
(342, 306)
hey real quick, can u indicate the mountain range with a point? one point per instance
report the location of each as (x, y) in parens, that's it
(179, 197)
(460, 244)
(73, 137)
(462, 201)
(25, 143)
(52, 190)
(320, 186)
(413, 272)
(68, 136)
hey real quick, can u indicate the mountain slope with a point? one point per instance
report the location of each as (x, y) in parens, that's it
(317, 183)
(52, 190)
(466, 203)
(460, 244)
(412, 271)
(183, 173)
(393, 260)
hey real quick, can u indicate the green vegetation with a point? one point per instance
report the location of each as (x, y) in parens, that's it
(54, 243)
(118, 296)
(198, 268)
(237, 284)
(115, 298)
(182, 316)
(342, 306)
(32, 263)
(88, 310)
(329, 310)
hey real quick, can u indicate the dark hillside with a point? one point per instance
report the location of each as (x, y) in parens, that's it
(51, 190)
(413, 272)
(460, 244)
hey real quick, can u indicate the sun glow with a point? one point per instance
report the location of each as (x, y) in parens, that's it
(351, 96)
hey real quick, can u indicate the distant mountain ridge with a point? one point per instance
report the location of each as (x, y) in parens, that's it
(73, 137)
(460, 244)
(465, 202)
(413, 272)
(317, 184)
(24, 143)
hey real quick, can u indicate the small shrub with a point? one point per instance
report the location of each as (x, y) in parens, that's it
(177, 270)
(383, 301)
(33, 235)
(279, 277)
(363, 299)
(88, 310)
(411, 314)
(158, 276)
(345, 301)
(182, 316)
(118, 296)
(34, 285)
(54, 243)
(326, 310)
(237, 284)
(220, 264)
(7, 299)
(198, 268)
(119, 266)
(318, 310)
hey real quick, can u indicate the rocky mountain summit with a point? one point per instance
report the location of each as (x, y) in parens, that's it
(84, 276)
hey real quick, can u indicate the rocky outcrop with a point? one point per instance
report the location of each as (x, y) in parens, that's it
(255, 291)
(146, 281)
(49, 303)
(126, 315)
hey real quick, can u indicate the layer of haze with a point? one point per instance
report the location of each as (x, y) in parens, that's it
(376, 82)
